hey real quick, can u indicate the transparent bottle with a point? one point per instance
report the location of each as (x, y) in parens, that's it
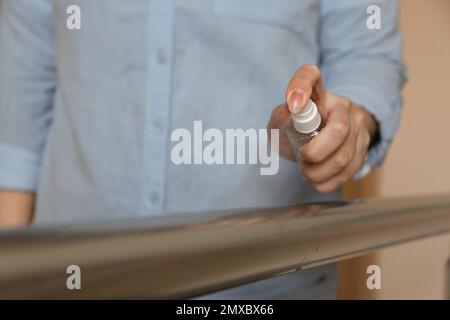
(306, 124)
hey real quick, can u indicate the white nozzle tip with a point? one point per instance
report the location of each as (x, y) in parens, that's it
(308, 119)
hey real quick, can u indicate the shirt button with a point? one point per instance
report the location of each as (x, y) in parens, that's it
(161, 56)
(156, 128)
(154, 197)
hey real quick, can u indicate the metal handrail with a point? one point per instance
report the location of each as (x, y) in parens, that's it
(180, 256)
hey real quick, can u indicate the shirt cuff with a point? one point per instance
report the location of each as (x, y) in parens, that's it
(385, 111)
(18, 168)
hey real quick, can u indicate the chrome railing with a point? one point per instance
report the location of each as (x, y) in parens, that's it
(187, 255)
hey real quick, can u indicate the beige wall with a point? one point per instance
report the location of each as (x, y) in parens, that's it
(419, 161)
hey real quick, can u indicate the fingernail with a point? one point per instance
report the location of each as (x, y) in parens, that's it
(295, 101)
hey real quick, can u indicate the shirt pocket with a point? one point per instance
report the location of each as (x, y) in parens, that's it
(297, 16)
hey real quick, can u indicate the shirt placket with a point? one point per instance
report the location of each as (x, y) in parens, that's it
(158, 104)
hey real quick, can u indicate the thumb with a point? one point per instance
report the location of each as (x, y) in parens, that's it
(305, 84)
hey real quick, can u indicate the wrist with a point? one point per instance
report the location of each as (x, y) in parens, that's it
(372, 126)
(16, 208)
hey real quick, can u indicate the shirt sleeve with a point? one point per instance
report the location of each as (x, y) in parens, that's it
(365, 64)
(27, 86)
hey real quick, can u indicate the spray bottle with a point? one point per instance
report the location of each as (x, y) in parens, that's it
(306, 124)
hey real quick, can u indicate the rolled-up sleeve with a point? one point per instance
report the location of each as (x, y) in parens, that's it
(365, 64)
(27, 86)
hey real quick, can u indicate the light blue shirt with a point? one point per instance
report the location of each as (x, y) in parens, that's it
(86, 115)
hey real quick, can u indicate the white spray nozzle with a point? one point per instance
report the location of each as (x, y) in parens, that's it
(308, 119)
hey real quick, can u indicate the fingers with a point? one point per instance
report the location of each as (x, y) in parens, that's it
(330, 138)
(279, 118)
(306, 83)
(340, 178)
(337, 162)
(337, 152)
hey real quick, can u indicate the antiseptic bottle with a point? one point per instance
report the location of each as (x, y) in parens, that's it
(306, 124)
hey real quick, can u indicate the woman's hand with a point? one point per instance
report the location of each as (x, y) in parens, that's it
(340, 148)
